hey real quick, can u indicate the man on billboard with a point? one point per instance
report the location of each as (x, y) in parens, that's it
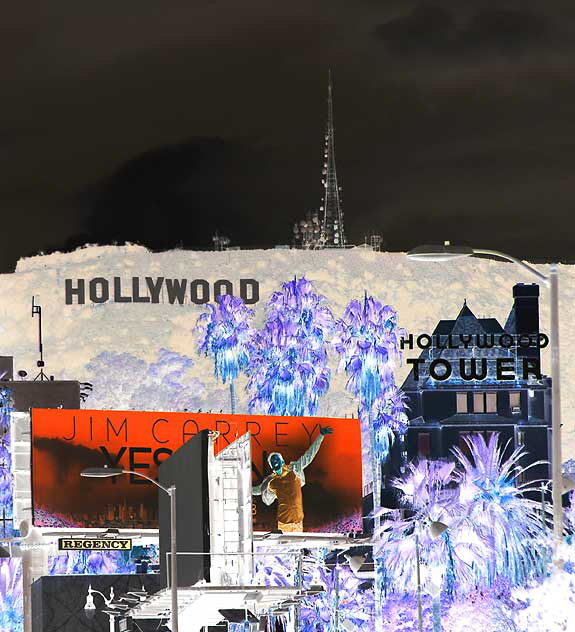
(285, 483)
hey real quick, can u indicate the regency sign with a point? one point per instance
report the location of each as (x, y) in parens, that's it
(95, 544)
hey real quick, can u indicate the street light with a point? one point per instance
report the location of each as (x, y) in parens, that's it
(90, 606)
(107, 472)
(567, 485)
(435, 528)
(447, 252)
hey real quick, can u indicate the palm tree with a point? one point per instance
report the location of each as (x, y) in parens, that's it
(430, 496)
(226, 336)
(494, 501)
(494, 531)
(367, 339)
(6, 409)
(288, 370)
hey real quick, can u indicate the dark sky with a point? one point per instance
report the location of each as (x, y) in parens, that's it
(160, 122)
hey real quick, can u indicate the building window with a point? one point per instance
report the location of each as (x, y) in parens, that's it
(478, 402)
(424, 444)
(462, 402)
(491, 402)
(484, 402)
(515, 403)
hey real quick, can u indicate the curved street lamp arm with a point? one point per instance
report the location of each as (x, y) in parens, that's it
(107, 600)
(165, 489)
(502, 255)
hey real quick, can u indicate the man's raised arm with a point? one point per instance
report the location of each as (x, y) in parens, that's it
(309, 455)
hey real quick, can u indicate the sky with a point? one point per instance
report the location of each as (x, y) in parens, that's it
(162, 123)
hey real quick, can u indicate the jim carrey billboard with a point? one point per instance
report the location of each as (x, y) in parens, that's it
(306, 471)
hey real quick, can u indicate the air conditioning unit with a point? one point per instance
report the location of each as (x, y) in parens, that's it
(515, 410)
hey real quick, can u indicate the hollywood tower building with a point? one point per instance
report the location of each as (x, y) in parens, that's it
(442, 413)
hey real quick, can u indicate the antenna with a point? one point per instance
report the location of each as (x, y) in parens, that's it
(37, 309)
(220, 241)
(332, 231)
(324, 227)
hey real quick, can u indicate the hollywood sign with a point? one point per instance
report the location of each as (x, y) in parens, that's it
(157, 289)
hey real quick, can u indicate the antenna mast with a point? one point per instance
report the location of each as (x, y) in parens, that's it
(332, 225)
(37, 309)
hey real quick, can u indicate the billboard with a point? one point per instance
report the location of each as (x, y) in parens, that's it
(66, 441)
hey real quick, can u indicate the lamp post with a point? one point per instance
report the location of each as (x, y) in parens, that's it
(90, 607)
(435, 579)
(418, 569)
(435, 528)
(447, 252)
(107, 472)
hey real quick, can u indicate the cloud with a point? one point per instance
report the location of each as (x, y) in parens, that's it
(182, 194)
(427, 27)
(506, 29)
(431, 28)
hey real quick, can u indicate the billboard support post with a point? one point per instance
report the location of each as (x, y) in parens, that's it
(556, 460)
(174, 566)
(376, 476)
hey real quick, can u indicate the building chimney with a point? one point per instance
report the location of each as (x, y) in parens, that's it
(526, 312)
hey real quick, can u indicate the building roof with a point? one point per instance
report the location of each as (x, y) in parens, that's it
(511, 324)
(467, 323)
(483, 419)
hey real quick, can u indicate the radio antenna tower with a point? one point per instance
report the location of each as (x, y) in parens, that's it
(332, 232)
(37, 309)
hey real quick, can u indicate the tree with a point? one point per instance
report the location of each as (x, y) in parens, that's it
(288, 370)
(11, 595)
(115, 377)
(495, 502)
(92, 563)
(226, 336)
(367, 339)
(5, 455)
(345, 602)
(494, 532)
(168, 385)
(429, 495)
(123, 381)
